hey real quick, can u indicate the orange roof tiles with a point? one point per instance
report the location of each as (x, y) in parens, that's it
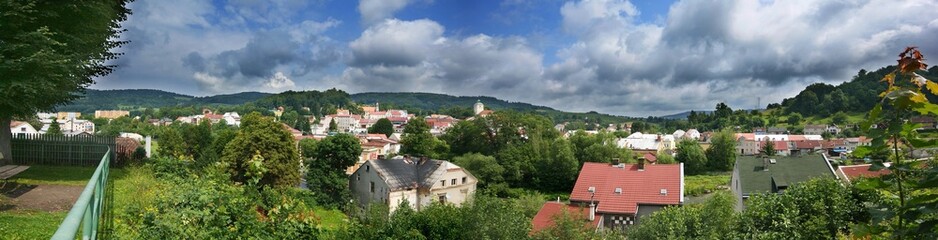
(545, 217)
(638, 187)
(857, 171)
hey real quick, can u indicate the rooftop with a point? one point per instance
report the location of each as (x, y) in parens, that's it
(858, 171)
(659, 184)
(403, 173)
(781, 174)
(545, 217)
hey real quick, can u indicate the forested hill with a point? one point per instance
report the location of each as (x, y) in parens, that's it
(461, 106)
(857, 95)
(134, 99)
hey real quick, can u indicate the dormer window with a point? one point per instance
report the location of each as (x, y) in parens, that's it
(618, 190)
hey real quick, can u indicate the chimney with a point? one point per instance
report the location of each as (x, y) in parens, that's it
(592, 211)
(765, 164)
(641, 163)
(615, 161)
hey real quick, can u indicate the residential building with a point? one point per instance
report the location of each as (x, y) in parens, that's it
(545, 217)
(757, 175)
(17, 127)
(440, 123)
(770, 130)
(833, 129)
(678, 134)
(620, 195)
(692, 134)
(925, 121)
(648, 143)
(110, 114)
(419, 182)
(815, 129)
(750, 143)
(69, 127)
(781, 147)
(232, 118)
(67, 115)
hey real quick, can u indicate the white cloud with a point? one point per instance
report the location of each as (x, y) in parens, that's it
(279, 82)
(374, 11)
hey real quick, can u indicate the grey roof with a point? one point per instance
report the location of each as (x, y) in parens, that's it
(786, 171)
(404, 174)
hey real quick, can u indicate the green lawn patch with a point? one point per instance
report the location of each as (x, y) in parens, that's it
(61, 175)
(29, 224)
(331, 219)
(701, 184)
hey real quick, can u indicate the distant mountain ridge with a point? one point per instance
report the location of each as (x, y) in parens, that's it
(132, 99)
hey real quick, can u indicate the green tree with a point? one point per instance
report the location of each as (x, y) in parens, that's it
(768, 148)
(273, 142)
(382, 126)
(693, 157)
(417, 139)
(665, 158)
(171, 143)
(817, 209)
(54, 129)
(52, 51)
(794, 119)
(302, 124)
(333, 127)
(308, 147)
(839, 118)
(327, 164)
(722, 152)
(714, 219)
(485, 168)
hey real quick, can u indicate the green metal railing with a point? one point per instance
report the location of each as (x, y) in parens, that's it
(87, 210)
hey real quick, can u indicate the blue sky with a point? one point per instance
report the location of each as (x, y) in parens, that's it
(633, 58)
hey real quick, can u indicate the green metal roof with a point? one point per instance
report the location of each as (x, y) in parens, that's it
(785, 172)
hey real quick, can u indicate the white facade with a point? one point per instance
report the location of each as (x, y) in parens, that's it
(478, 108)
(17, 127)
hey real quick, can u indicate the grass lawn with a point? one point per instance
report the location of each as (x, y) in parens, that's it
(16, 224)
(61, 175)
(700, 184)
(331, 219)
(29, 224)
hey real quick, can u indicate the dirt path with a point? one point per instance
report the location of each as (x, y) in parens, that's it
(39, 197)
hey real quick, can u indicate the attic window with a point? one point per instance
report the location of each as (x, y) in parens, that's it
(619, 190)
(591, 189)
(367, 168)
(664, 192)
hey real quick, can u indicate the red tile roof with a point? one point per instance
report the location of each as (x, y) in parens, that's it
(638, 187)
(545, 217)
(857, 171)
(651, 158)
(14, 124)
(808, 144)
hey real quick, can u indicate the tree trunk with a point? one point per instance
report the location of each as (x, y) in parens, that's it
(6, 154)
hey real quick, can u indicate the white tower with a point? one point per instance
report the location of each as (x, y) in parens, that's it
(478, 107)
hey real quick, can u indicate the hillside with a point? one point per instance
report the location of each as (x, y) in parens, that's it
(857, 95)
(134, 99)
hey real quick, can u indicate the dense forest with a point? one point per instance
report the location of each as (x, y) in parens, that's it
(857, 95)
(136, 99)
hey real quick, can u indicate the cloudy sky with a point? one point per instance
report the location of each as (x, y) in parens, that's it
(635, 58)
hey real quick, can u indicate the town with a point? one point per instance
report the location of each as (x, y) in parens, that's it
(574, 119)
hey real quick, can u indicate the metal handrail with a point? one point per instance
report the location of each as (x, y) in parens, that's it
(87, 209)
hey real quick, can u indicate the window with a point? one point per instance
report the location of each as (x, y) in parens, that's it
(442, 198)
(367, 168)
(358, 177)
(23, 129)
(372, 187)
(452, 182)
(463, 180)
(443, 183)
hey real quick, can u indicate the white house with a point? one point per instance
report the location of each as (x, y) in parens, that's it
(17, 127)
(419, 182)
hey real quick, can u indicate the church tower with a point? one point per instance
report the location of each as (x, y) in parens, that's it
(478, 107)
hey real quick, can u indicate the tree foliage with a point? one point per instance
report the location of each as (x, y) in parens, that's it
(262, 135)
(485, 168)
(51, 52)
(721, 156)
(383, 126)
(693, 157)
(327, 164)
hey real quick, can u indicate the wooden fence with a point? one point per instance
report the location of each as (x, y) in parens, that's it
(79, 150)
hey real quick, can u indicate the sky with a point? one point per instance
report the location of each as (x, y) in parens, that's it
(633, 58)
